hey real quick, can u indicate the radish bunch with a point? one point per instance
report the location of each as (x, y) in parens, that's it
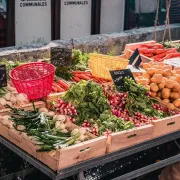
(66, 108)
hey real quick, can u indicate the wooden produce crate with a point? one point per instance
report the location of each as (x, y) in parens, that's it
(28, 106)
(166, 126)
(124, 139)
(130, 48)
(60, 158)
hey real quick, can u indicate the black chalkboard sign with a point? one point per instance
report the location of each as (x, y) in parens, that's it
(61, 56)
(135, 60)
(119, 75)
(3, 76)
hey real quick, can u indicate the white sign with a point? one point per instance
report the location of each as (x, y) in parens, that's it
(112, 16)
(75, 18)
(33, 21)
(173, 62)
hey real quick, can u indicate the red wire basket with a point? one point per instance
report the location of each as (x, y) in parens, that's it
(33, 79)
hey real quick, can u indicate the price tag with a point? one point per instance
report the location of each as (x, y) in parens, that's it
(135, 60)
(3, 76)
(119, 75)
(61, 56)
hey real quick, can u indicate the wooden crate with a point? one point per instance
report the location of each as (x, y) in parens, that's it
(128, 138)
(144, 58)
(60, 158)
(166, 126)
(28, 106)
(129, 49)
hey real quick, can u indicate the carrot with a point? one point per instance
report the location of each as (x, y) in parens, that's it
(159, 51)
(154, 46)
(161, 55)
(82, 76)
(151, 51)
(149, 55)
(63, 84)
(81, 72)
(58, 87)
(76, 79)
(143, 50)
(54, 89)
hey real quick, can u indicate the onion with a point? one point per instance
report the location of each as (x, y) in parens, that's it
(64, 131)
(74, 132)
(82, 131)
(43, 110)
(50, 114)
(81, 138)
(10, 88)
(2, 101)
(13, 99)
(21, 127)
(10, 124)
(7, 96)
(9, 103)
(21, 98)
(5, 120)
(62, 126)
(61, 118)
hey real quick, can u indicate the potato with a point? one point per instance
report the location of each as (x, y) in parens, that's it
(165, 93)
(146, 75)
(159, 71)
(165, 101)
(176, 103)
(170, 106)
(158, 78)
(159, 94)
(165, 79)
(153, 80)
(153, 94)
(151, 71)
(146, 65)
(174, 95)
(176, 87)
(161, 85)
(169, 84)
(154, 87)
(143, 81)
(177, 78)
(167, 73)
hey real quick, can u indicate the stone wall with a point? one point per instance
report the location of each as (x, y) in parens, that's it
(104, 43)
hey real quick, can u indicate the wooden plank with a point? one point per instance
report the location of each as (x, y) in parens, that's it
(144, 58)
(166, 125)
(28, 106)
(80, 152)
(128, 138)
(136, 45)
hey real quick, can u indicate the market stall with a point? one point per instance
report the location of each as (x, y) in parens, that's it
(75, 111)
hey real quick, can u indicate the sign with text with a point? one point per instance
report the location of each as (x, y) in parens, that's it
(3, 76)
(75, 18)
(33, 21)
(135, 60)
(119, 75)
(61, 56)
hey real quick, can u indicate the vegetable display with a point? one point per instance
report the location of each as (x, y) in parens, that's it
(163, 82)
(157, 52)
(49, 131)
(79, 60)
(169, 44)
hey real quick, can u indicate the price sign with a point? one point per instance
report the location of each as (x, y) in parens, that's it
(135, 60)
(3, 76)
(119, 75)
(61, 56)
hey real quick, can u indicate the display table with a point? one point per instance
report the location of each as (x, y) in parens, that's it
(80, 167)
